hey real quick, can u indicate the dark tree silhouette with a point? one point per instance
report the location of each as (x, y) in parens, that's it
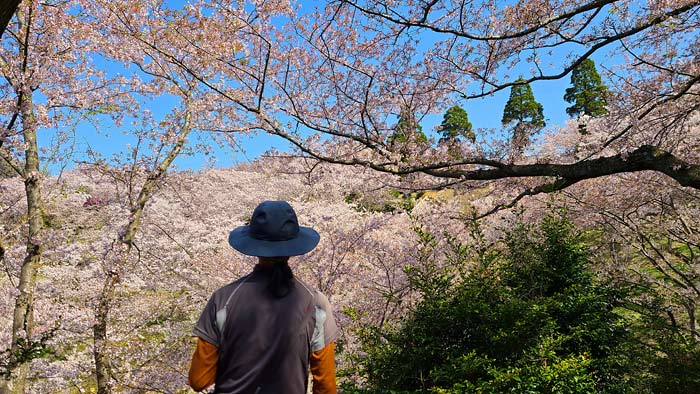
(7, 10)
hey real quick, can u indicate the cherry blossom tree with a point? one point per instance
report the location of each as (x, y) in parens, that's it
(119, 257)
(54, 45)
(48, 84)
(148, 35)
(344, 70)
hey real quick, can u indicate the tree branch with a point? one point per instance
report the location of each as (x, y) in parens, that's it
(600, 42)
(423, 22)
(644, 158)
(550, 187)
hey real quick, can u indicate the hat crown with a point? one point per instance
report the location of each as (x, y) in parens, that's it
(274, 221)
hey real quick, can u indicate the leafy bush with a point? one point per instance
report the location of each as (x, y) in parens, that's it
(528, 316)
(672, 363)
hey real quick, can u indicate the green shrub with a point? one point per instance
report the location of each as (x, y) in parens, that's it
(528, 316)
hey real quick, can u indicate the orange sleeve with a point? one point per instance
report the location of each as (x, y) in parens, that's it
(323, 370)
(203, 368)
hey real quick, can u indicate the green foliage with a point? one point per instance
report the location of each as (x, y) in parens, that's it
(524, 113)
(522, 107)
(455, 124)
(27, 350)
(407, 129)
(537, 269)
(394, 201)
(673, 365)
(6, 171)
(587, 92)
(531, 319)
(362, 204)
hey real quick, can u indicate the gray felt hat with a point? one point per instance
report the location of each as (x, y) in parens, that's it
(273, 231)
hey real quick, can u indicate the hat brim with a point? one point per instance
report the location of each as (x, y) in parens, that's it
(306, 241)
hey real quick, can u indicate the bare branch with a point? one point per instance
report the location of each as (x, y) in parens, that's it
(559, 184)
(423, 22)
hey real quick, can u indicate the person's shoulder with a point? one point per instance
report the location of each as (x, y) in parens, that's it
(305, 287)
(320, 299)
(226, 290)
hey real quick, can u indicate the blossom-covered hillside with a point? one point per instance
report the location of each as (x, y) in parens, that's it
(183, 255)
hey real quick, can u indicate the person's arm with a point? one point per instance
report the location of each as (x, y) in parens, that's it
(322, 364)
(203, 367)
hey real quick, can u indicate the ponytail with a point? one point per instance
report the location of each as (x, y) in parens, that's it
(281, 278)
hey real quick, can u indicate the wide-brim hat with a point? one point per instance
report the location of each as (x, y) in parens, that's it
(273, 231)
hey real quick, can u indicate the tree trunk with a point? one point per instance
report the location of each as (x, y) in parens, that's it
(23, 317)
(690, 307)
(114, 272)
(100, 352)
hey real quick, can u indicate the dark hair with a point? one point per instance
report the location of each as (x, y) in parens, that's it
(281, 278)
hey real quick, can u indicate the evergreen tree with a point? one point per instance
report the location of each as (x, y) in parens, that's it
(522, 106)
(587, 91)
(455, 124)
(528, 319)
(525, 111)
(407, 129)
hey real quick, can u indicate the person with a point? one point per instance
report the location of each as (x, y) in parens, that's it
(263, 332)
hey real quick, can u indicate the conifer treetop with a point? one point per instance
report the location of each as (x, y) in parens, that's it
(587, 92)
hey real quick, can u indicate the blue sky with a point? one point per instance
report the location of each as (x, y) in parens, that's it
(483, 113)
